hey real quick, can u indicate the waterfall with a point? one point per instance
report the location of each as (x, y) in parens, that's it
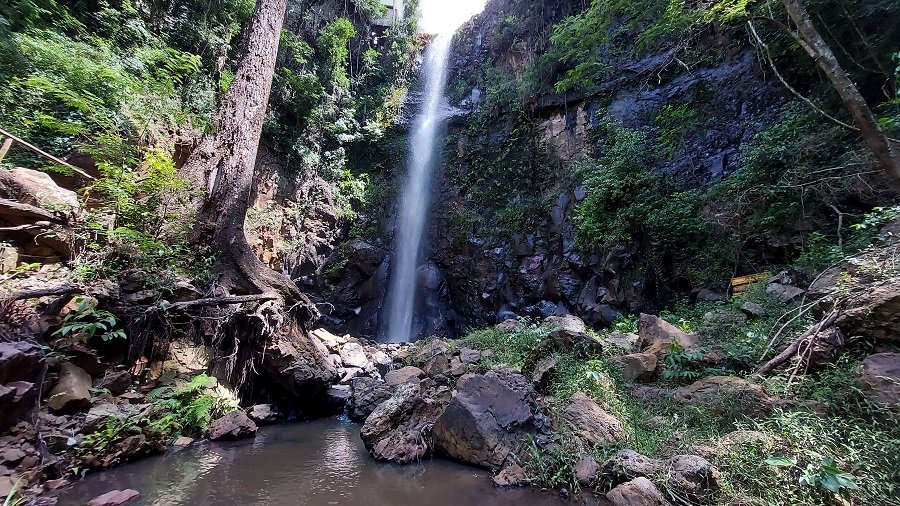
(416, 197)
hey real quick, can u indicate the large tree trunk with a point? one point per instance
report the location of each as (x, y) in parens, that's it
(224, 161)
(818, 49)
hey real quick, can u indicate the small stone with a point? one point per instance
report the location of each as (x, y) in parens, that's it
(263, 414)
(637, 492)
(636, 366)
(586, 469)
(55, 484)
(72, 391)
(469, 356)
(13, 456)
(752, 309)
(353, 355)
(114, 498)
(512, 475)
(183, 441)
(457, 367)
(29, 462)
(134, 398)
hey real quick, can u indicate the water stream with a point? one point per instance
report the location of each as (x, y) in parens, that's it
(415, 199)
(304, 464)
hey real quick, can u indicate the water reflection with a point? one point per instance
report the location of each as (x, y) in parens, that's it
(312, 464)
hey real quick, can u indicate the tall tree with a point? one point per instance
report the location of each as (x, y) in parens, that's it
(223, 161)
(812, 42)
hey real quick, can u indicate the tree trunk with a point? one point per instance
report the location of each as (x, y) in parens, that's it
(224, 161)
(818, 49)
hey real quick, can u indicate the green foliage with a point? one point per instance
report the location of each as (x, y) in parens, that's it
(682, 364)
(333, 40)
(86, 321)
(509, 348)
(627, 203)
(187, 409)
(674, 121)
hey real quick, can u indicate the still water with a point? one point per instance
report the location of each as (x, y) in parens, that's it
(311, 464)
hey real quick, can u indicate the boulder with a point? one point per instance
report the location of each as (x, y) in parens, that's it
(636, 366)
(438, 364)
(116, 382)
(397, 430)
(403, 375)
(234, 425)
(37, 188)
(263, 414)
(17, 399)
(590, 422)
(489, 419)
(569, 332)
(543, 371)
(72, 392)
(114, 498)
(431, 348)
(20, 361)
(637, 492)
(752, 309)
(693, 477)
(365, 395)
(586, 469)
(825, 349)
(627, 465)
(469, 356)
(353, 355)
(457, 367)
(879, 379)
(784, 293)
(874, 313)
(98, 416)
(627, 343)
(726, 391)
(510, 326)
(299, 365)
(656, 336)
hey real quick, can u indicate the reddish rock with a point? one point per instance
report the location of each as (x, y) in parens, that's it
(591, 422)
(657, 335)
(403, 375)
(636, 366)
(114, 498)
(637, 492)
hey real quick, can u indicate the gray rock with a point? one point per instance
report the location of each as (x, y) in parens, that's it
(489, 419)
(397, 430)
(692, 476)
(72, 390)
(879, 379)
(366, 394)
(116, 382)
(234, 425)
(114, 498)
(353, 355)
(20, 361)
(263, 414)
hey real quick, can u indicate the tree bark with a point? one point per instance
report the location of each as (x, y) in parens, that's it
(223, 162)
(813, 43)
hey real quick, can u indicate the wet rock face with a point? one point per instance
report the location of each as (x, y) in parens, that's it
(489, 418)
(234, 425)
(397, 430)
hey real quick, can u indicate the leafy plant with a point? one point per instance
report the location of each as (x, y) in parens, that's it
(681, 364)
(86, 321)
(828, 477)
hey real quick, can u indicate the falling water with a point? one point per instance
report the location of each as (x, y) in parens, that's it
(416, 197)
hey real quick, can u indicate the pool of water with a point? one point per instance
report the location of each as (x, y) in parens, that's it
(311, 464)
